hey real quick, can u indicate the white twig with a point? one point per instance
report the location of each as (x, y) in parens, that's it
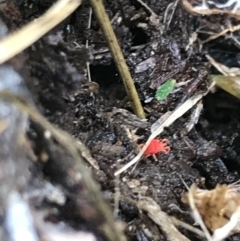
(187, 105)
(174, 116)
(88, 64)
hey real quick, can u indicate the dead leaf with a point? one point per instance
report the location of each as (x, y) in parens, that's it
(219, 208)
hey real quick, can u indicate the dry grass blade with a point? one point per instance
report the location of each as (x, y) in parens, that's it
(187, 226)
(74, 149)
(197, 215)
(234, 71)
(206, 11)
(217, 35)
(118, 57)
(161, 219)
(193, 10)
(174, 116)
(20, 40)
(187, 105)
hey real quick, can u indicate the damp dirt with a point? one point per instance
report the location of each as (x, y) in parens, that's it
(98, 113)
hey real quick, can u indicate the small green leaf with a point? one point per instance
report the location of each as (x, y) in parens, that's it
(165, 89)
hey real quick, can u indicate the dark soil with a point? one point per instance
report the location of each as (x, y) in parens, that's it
(98, 113)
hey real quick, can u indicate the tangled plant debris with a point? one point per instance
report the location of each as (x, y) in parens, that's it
(219, 209)
(71, 167)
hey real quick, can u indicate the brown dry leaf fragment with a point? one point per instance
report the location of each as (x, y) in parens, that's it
(219, 209)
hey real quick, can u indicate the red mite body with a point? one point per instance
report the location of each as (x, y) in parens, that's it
(157, 146)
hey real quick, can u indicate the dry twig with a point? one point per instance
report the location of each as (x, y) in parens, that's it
(159, 217)
(187, 226)
(118, 57)
(87, 45)
(23, 38)
(217, 35)
(206, 11)
(197, 215)
(171, 6)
